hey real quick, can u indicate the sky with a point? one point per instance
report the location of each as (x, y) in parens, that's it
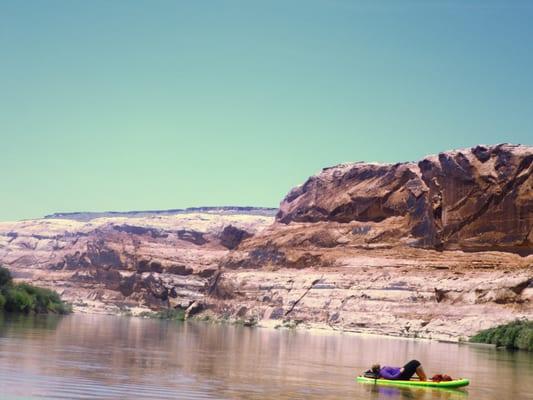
(140, 105)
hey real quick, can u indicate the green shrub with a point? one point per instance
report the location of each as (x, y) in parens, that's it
(174, 314)
(59, 307)
(514, 335)
(524, 340)
(26, 298)
(44, 299)
(18, 300)
(5, 277)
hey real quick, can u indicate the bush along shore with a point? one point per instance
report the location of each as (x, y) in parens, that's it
(179, 314)
(168, 314)
(25, 298)
(515, 335)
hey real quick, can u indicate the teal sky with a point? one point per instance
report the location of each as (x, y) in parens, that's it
(133, 105)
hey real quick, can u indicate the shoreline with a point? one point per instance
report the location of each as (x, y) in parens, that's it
(269, 325)
(278, 325)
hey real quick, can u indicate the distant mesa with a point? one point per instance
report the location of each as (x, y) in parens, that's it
(224, 210)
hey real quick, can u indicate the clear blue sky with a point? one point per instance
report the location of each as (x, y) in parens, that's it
(121, 105)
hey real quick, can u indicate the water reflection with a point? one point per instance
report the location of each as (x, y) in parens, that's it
(377, 392)
(102, 357)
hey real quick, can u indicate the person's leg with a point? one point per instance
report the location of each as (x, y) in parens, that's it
(409, 370)
(421, 374)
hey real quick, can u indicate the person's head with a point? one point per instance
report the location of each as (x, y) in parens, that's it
(375, 368)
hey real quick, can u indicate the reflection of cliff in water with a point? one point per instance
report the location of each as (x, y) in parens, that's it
(94, 356)
(377, 392)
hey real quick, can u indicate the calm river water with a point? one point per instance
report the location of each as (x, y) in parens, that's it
(105, 357)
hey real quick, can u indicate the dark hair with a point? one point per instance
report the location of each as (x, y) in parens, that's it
(376, 368)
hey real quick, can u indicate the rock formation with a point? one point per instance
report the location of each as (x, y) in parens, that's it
(117, 264)
(440, 248)
(476, 199)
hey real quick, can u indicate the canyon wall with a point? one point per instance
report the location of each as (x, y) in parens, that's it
(440, 249)
(127, 263)
(475, 199)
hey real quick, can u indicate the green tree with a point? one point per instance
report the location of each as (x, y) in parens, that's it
(18, 300)
(26, 298)
(5, 277)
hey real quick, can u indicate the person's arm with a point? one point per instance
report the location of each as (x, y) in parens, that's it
(390, 372)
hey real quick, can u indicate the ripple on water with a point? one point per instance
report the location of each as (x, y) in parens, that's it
(103, 357)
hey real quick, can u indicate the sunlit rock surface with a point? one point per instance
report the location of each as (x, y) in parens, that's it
(121, 263)
(473, 199)
(439, 249)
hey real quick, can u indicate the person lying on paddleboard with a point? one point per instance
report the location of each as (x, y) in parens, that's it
(400, 373)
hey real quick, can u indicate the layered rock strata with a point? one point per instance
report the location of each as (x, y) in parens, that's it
(395, 291)
(439, 249)
(119, 264)
(475, 199)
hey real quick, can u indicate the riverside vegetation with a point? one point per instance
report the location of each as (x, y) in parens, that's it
(26, 298)
(515, 335)
(168, 314)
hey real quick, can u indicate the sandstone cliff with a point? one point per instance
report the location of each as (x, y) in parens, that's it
(440, 248)
(475, 199)
(118, 264)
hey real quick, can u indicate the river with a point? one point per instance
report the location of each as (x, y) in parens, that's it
(108, 357)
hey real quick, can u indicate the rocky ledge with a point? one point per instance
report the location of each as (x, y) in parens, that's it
(126, 264)
(441, 248)
(475, 199)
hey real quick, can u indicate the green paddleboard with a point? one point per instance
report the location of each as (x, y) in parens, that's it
(448, 384)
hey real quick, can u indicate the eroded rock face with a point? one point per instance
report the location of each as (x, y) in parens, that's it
(397, 291)
(474, 199)
(232, 236)
(115, 263)
(381, 248)
(441, 249)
